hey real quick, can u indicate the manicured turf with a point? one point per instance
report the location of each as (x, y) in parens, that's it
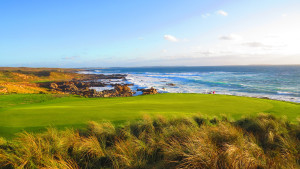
(34, 112)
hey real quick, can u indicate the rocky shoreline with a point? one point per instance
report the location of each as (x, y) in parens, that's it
(83, 86)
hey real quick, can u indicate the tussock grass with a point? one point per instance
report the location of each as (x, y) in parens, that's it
(182, 142)
(21, 87)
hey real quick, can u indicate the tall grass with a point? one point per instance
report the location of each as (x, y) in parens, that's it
(258, 142)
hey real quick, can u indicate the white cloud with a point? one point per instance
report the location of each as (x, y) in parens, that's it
(171, 38)
(215, 52)
(284, 15)
(255, 44)
(205, 15)
(230, 37)
(221, 12)
(206, 52)
(262, 47)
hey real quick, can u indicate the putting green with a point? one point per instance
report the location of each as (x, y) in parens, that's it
(34, 112)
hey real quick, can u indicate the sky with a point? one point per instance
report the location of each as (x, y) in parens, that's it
(123, 33)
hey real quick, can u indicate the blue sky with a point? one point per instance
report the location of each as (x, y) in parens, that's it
(92, 33)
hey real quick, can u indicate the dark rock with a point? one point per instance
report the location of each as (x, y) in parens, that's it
(82, 87)
(69, 87)
(118, 91)
(264, 97)
(122, 89)
(171, 84)
(53, 86)
(152, 90)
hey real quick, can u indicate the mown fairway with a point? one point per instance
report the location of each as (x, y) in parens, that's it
(34, 112)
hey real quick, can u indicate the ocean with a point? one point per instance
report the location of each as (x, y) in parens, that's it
(274, 82)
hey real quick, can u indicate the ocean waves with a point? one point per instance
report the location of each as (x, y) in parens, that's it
(243, 81)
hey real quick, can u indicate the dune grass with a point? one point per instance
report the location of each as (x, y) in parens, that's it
(35, 112)
(181, 142)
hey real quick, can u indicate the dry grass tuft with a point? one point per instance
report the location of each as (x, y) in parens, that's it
(2, 141)
(90, 147)
(260, 142)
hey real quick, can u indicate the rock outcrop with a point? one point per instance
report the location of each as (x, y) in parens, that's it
(83, 89)
(118, 91)
(171, 84)
(152, 90)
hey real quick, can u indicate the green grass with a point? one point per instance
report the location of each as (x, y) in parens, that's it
(34, 112)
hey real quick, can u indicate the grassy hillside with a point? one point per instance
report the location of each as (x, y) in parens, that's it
(34, 112)
(23, 80)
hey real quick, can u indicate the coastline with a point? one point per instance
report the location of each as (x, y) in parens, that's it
(38, 80)
(164, 85)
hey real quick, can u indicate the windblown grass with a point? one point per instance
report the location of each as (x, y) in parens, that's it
(183, 142)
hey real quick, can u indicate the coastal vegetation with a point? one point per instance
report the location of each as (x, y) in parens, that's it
(180, 142)
(24, 80)
(44, 127)
(63, 81)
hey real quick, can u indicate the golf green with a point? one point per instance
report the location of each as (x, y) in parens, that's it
(35, 112)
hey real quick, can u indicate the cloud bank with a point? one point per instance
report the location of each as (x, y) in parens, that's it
(230, 37)
(255, 44)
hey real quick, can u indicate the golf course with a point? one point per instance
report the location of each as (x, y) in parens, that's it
(36, 112)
